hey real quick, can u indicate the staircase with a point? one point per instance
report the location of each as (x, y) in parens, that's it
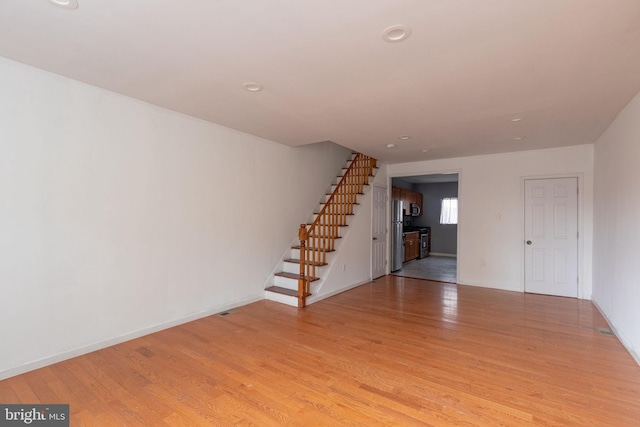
(305, 262)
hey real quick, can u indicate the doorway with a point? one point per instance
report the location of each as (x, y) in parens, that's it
(379, 232)
(551, 236)
(435, 267)
(433, 191)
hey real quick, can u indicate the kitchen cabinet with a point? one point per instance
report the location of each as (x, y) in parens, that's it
(411, 245)
(396, 193)
(408, 197)
(411, 197)
(419, 201)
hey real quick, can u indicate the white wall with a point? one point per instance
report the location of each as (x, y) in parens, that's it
(491, 216)
(118, 218)
(616, 283)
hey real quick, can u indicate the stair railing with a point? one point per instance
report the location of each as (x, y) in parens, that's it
(318, 238)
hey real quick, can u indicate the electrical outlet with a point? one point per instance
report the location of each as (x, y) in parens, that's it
(344, 267)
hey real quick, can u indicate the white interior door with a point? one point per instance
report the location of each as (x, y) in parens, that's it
(551, 236)
(379, 232)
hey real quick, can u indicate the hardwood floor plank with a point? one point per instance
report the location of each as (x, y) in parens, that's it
(396, 351)
(21, 390)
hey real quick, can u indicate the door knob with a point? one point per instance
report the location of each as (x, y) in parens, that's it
(528, 242)
(375, 238)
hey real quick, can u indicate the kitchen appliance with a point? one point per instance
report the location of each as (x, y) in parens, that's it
(397, 239)
(414, 209)
(424, 242)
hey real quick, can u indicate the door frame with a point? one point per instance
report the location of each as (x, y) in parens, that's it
(459, 249)
(581, 233)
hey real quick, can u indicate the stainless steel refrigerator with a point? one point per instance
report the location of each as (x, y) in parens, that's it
(397, 241)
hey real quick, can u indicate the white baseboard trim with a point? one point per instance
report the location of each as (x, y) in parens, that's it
(497, 286)
(488, 285)
(50, 360)
(443, 254)
(621, 337)
(316, 298)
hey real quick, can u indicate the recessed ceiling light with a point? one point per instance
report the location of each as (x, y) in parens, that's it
(396, 33)
(252, 87)
(391, 145)
(66, 4)
(515, 119)
(425, 150)
(518, 138)
(404, 137)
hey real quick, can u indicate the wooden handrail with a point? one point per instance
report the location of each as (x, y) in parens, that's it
(319, 237)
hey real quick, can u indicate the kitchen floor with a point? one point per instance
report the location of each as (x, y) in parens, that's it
(438, 268)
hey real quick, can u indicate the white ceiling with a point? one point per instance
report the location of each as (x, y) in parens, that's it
(567, 67)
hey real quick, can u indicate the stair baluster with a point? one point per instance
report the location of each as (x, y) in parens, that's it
(302, 282)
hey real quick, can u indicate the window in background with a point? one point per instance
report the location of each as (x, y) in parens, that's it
(449, 211)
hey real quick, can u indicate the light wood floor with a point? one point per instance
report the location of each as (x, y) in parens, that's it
(396, 351)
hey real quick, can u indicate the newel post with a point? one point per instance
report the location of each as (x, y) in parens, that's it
(303, 236)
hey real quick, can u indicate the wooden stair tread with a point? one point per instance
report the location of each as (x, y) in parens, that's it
(297, 261)
(313, 249)
(318, 213)
(283, 291)
(294, 276)
(355, 203)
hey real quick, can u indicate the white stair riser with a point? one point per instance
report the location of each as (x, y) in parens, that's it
(285, 282)
(284, 299)
(295, 253)
(290, 267)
